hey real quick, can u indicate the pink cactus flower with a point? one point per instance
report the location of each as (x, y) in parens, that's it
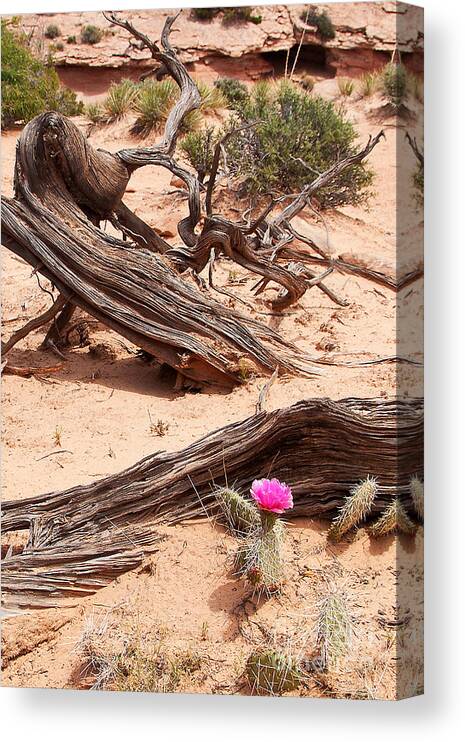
(272, 495)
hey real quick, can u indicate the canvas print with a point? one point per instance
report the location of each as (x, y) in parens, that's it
(212, 384)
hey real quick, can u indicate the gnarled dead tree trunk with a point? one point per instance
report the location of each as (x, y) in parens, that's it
(78, 538)
(64, 189)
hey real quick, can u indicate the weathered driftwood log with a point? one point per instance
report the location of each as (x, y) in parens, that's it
(320, 447)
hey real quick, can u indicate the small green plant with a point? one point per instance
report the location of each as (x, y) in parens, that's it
(95, 113)
(393, 520)
(199, 148)
(334, 628)
(270, 672)
(368, 84)
(356, 507)
(57, 47)
(234, 91)
(29, 86)
(417, 495)
(91, 34)
(52, 31)
(71, 39)
(394, 83)
(346, 86)
(313, 17)
(211, 98)
(292, 128)
(241, 14)
(120, 100)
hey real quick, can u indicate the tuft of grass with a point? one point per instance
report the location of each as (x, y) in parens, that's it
(212, 98)
(120, 100)
(270, 672)
(368, 84)
(417, 495)
(355, 509)
(152, 105)
(52, 31)
(394, 83)
(346, 86)
(204, 14)
(394, 520)
(307, 82)
(95, 113)
(71, 40)
(334, 629)
(240, 514)
(159, 428)
(241, 14)
(57, 436)
(91, 34)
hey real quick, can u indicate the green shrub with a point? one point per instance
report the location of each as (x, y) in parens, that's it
(291, 125)
(57, 47)
(199, 146)
(95, 113)
(52, 31)
(234, 91)
(212, 98)
(204, 14)
(394, 81)
(368, 84)
(91, 34)
(71, 40)
(29, 86)
(120, 99)
(243, 14)
(312, 17)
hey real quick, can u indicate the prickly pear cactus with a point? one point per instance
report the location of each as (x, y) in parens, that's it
(271, 672)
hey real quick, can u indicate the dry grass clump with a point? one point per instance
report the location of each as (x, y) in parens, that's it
(120, 100)
(240, 514)
(127, 662)
(394, 520)
(270, 672)
(356, 507)
(417, 495)
(334, 629)
(346, 86)
(369, 84)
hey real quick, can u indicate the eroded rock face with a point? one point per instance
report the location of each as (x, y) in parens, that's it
(366, 33)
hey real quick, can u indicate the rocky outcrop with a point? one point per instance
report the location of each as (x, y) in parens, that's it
(366, 33)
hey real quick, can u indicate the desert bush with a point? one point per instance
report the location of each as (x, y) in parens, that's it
(71, 40)
(346, 86)
(120, 99)
(95, 113)
(212, 98)
(234, 91)
(198, 147)
(52, 31)
(204, 14)
(29, 86)
(394, 83)
(291, 125)
(313, 17)
(91, 34)
(241, 14)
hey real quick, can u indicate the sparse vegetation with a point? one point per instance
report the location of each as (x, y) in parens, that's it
(307, 82)
(234, 91)
(95, 113)
(313, 17)
(241, 14)
(71, 39)
(204, 14)
(368, 84)
(152, 105)
(296, 137)
(52, 31)
(346, 86)
(57, 436)
(159, 427)
(394, 83)
(91, 34)
(120, 100)
(30, 86)
(199, 147)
